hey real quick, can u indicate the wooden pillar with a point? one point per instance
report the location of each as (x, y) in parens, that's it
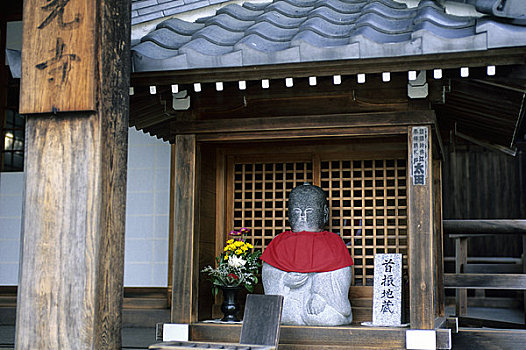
(185, 254)
(71, 278)
(420, 229)
(461, 259)
(438, 239)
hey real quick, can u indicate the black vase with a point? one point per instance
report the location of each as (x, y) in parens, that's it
(230, 307)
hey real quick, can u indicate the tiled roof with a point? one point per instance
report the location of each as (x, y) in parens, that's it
(288, 31)
(150, 10)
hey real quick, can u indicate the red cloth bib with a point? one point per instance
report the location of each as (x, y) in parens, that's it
(307, 252)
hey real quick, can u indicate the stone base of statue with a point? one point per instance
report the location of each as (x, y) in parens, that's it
(311, 299)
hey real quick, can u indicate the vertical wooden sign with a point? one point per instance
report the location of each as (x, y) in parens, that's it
(58, 72)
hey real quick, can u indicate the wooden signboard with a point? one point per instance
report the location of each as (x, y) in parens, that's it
(58, 71)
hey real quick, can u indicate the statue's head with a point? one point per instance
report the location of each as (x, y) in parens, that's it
(308, 208)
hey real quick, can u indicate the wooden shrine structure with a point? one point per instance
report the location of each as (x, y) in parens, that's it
(242, 138)
(237, 152)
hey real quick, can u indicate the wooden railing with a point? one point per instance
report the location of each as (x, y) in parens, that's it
(483, 276)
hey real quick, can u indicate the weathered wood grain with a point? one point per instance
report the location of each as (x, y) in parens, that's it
(421, 252)
(261, 320)
(485, 281)
(71, 279)
(303, 133)
(465, 228)
(60, 68)
(461, 259)
(302, 122)
(185, 252)
(438, 241)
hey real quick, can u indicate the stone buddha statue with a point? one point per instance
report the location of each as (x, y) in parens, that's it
(310, 267)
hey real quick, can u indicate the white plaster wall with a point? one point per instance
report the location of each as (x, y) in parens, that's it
(147, 206)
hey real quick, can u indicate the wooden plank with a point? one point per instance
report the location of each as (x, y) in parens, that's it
(300, 337)
(485, 281)
(302, 122)
(72, 263)
(505, 56)
(421, 253)
(484, 323)
(305, 133)
(185, 255)
(492, 268)
(261, 320)
(461, 254)
(489, 339)
(438, 240)
(181, 345)
(458, 228)
(59, 71)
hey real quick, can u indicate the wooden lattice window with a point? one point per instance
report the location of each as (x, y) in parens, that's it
(367, 200)
(260, 192)
(368, 203)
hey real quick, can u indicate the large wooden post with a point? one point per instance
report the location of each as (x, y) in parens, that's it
(185, 255)
(420, 229)
(71, 279)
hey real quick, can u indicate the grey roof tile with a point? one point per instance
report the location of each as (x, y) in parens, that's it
(288, 31)
(228, 22)
(272, 32)
(160, 7)
(146, 18)
(218, 35)
(239, 12)
(501, 34)
(185, 8)
(180, 27)
(142, 4)
(167, 38)
(205, 47)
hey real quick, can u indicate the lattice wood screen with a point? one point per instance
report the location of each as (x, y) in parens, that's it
(368, 203)
(260, 197)
(367, 198)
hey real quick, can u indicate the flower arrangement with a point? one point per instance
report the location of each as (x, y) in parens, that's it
(238, 265)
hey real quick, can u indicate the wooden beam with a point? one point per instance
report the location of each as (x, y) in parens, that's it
(470, 228)
(438, 241)
(302, 122)
(185, 252)
(305, 133)
(506, 56)
(492, 268)
(461, 259)
(420, 229)
(71, 273)
(485, 281)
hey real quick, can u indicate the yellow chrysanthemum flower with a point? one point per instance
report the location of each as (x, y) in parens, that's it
(238, 251)
(226, 257)
(250, 245)
(230, 241)
(238, 244)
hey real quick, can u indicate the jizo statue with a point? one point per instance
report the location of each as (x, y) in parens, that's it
(310, 267)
